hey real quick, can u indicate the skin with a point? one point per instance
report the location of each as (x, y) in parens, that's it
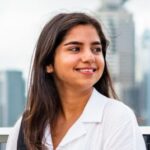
(78, 65)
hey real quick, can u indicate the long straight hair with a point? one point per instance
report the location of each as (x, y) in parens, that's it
(43, 98)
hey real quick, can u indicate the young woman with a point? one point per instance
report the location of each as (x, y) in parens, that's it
(71, 102)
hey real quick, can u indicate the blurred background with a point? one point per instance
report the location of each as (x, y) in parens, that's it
(126, 24)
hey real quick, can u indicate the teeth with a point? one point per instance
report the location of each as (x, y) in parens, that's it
(86, 70)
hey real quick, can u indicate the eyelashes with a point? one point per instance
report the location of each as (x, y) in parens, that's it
(78, 49)
(97, 49)
(74, 49)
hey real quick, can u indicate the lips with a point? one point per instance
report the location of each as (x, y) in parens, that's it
(86, 70)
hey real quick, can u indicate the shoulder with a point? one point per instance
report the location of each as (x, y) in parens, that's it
(120, 126)
(111, 110)
(112, 107)
(119, 110)
(13, 136)
(119, 116)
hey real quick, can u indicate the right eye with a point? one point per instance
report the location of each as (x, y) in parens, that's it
(74, 49)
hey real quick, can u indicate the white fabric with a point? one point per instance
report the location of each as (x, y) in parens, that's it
(105, 124)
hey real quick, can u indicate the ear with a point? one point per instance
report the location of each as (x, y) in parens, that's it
(49, 69)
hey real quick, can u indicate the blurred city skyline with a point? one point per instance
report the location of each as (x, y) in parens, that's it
(22, 21)
(128, 52)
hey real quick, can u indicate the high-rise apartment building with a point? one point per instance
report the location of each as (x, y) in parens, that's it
(12, 97)
(119, 27)
(145, 60)
(145, 50)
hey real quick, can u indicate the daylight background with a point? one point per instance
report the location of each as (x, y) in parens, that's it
(20, 25)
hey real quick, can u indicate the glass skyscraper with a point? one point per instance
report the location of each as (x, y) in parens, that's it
(12, 96)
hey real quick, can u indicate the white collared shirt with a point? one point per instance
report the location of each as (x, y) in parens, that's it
(105, 124)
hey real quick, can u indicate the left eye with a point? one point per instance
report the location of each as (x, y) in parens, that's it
(75, 49)
(97, 49)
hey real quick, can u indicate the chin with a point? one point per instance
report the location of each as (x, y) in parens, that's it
(85, 86)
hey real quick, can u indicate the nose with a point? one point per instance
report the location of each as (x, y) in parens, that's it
(88, 56)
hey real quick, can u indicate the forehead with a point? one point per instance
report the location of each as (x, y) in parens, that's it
(82, 31)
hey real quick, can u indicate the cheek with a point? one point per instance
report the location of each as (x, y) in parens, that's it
(65, 61)
(101, 62)
(71, 59)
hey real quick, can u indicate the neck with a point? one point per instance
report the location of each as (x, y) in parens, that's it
(73, 101)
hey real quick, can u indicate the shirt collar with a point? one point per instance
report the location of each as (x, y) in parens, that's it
(94, 109)
(92, 113)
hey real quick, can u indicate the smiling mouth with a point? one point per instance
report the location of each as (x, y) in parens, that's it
(86, 70)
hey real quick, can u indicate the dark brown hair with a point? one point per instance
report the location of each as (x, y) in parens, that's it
(43, 98)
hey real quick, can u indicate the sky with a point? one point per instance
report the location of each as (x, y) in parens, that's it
(21, 23)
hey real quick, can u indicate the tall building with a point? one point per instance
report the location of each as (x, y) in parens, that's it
(145, 50)
(110, 5)
(118, 25)
(145, 88)
(12, 97)
(145, 92)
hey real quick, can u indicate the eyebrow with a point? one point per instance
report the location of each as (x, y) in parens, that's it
(80, 43)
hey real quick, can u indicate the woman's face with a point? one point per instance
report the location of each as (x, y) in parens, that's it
(78, 61)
